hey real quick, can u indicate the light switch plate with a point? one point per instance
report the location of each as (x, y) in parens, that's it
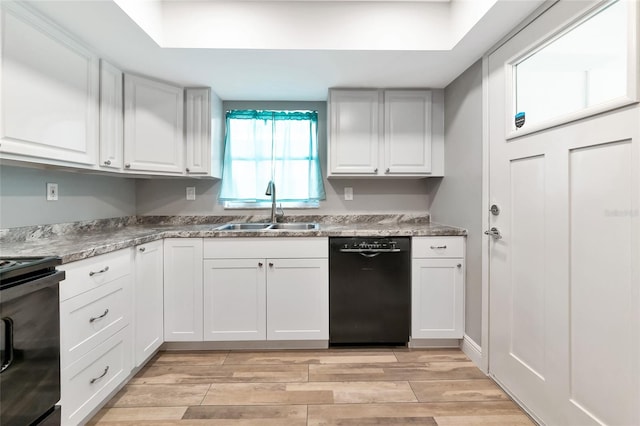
(348, 193)
(191, 193)
(52, 191)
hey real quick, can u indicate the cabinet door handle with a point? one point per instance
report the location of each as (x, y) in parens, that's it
(187, 170)
(270, 265)
(107, 163)
(375, 170)
(142, 249)
(95, 379)
(101, 271)
(260, 264)
(459, 265)
(127, 165)
(438, 247)
(92, 319)
(388, 170)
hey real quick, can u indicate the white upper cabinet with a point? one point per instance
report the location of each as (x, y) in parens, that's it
(153, 126)
(407, 131)
(386, 133)
(198, 131)
(111, 111)
(354, 133)
(49, 93)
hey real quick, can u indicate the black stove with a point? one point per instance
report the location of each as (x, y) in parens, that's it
(29, 341)
(17, 270)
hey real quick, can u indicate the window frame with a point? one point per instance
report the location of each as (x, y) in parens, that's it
(631, 96)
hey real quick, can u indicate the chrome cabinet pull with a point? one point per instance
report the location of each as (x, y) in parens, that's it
(260, 264)
(438, 247)
(388, 170)
(270, 265)
(187, 170)
(107, 163)
(142, 249)
(95, 379)
(375, 170)
(92, 319)
(127, 165)
(459, 265)
(101, 271)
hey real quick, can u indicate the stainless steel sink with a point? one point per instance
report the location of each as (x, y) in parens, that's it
(301, 226)
(293, 226)
(243, 227)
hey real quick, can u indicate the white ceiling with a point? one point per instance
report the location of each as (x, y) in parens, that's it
(292, 49)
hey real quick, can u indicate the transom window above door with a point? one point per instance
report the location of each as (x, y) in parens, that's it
(587, 68)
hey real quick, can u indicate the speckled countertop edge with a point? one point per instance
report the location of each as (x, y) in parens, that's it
(88, 242)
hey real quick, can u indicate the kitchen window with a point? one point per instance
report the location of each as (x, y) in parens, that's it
(265, 145)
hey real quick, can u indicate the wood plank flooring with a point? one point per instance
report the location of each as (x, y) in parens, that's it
(334, 387)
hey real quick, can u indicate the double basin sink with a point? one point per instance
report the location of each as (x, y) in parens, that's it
(292, 226)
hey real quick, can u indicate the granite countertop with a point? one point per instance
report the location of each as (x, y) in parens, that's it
(81, 240)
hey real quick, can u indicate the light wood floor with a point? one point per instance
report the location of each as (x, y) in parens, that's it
(349, 387)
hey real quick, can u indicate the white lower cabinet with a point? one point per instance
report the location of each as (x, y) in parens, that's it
(148, 300)
(437, 295)
(273, 289)
(183, 290)
(297, 299)
(234, 299)
(96, 338)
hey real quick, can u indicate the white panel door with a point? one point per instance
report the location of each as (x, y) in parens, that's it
(298, 299)
(234, 299)
(355, 131)
(407, 132)
(183, 289)
(437, 299)
(153, 126)
(49, 92)
(148, 300)
(564, 276)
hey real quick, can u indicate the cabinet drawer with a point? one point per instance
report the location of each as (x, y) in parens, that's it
(94, 272)
(88, 319)
(437, 247)
(86, 383)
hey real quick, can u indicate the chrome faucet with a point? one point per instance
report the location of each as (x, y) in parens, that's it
(271, 190)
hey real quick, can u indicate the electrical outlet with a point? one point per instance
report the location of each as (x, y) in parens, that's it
(191, 193)
(52, 192)
(348, 193)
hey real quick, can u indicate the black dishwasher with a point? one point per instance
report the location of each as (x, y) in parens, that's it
(369, 291)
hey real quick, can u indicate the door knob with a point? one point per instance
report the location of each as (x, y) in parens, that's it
(494, 232)
(495, 210)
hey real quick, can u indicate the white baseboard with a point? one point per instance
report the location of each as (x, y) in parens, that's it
(473, 351)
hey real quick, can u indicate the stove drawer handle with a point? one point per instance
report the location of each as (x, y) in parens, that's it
(95, 379)
(92, 319)
(8, 344)
(101, 271)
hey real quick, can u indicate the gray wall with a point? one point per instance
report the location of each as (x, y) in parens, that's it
(167, 197)
(81, 197)
(457, 199)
